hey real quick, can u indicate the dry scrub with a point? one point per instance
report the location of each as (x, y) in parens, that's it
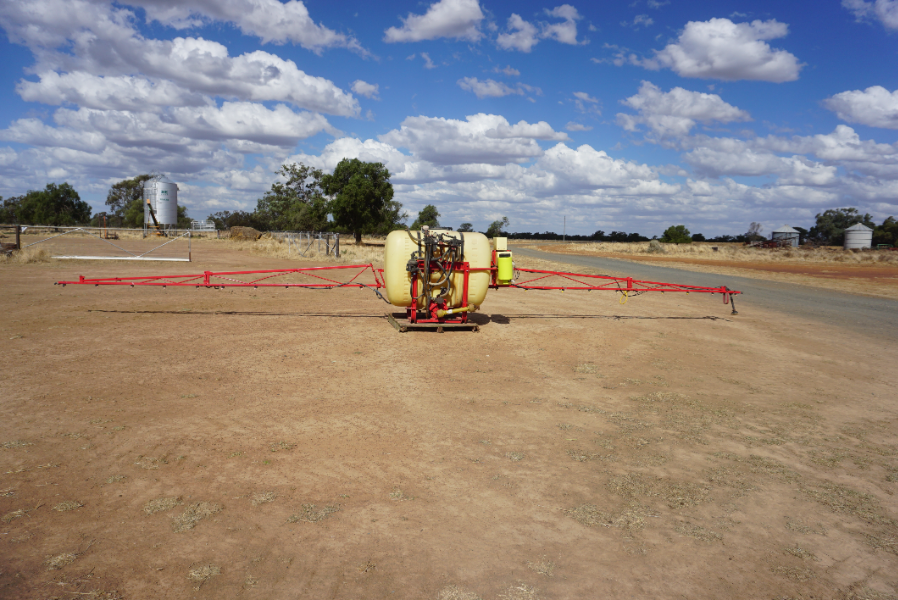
(733, 252)
(275, 248)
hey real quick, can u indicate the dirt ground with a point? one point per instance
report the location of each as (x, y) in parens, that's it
(277, 443)
(866, 279)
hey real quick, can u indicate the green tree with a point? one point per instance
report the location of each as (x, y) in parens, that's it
(887, 233)
(184, 222)
(54, 205)
(226, 219)
(496, 228)
(295, 204)
(9, 209)
(697, 237)
(466, 227)
(362, 196)
(676, 234)
(393, 218)
(124, 197)
(754, 233)
(429, 216)
(832, 223)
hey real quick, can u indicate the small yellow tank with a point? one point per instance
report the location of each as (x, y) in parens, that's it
(398, 251)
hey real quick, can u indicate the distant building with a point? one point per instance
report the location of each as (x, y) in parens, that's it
(785, 233)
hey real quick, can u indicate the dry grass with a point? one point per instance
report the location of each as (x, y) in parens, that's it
(275, 447)
(202, 574)
(12, 516)
(28, 256)
(313, 514)
(521, 591)
(274, 248)
(799, 552)
(67, 506)
(630, 518)
(453, 592)
(398, 494)
(16, 444)
(60, 560)
(515, 456)
(116, 478)
(543, 566)
(161, 504)
(194, 513)
(841, 499)
(698, 532)
(263, 498)
(794, 573)
(736, 253)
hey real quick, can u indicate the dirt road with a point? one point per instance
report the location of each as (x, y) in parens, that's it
(874, 317)
(284, 444)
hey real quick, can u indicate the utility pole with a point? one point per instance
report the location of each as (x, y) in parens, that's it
(564, 231)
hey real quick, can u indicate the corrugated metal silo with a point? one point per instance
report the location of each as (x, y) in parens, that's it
(858, 236)
(163, 197)
(785, 233)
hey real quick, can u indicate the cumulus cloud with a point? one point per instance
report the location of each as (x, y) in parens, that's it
(885, 11)
(368, 90)
(522, 35)
(490, 88)
(721, 49)
(481, 138)
(508, 71)
(676, 112)
(270, 20)
(459, 19)
(572, 126)
(875, 106)
(794, 170)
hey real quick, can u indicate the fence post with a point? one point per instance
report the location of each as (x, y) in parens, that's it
(327, 245)
(337, 245)
(18, 239)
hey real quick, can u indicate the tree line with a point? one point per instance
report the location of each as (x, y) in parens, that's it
(357, 198)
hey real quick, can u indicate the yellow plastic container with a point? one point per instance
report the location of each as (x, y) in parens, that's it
(505, 268)
(398, 251)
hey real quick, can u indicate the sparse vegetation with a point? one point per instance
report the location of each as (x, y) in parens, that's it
(201, 574)
(194, 513)
(161, 504)
(314, 514)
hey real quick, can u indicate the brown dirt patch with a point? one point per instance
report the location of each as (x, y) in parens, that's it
(728, 454)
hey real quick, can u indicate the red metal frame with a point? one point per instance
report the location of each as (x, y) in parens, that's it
(224, 279)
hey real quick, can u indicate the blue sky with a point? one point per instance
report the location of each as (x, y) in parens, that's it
(618, 115)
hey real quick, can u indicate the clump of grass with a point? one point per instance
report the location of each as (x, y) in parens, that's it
(631, 518)
(794, 573)
(281, 446)
(805, 529)
(194, 513)
(515, 456)
(28, 256)
(521, 591)
(453, 592)
(263, 498)
(150, 463)
(677, 494)
(16, 444)
(161, 504)
(581, 455)
(544, 566)
(60, 560)
(587, 368)
(12, 516)
(398, 494)
(889, 544)
(700, 533)
(202, 574)
(564, 426)
(841, 499)
(67, 506)
(799, 552)
(314, 514)
(116, 478)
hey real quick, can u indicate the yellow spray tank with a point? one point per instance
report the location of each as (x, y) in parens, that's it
(402, 244)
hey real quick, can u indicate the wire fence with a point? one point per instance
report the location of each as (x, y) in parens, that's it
(302, 242)
(101, 243)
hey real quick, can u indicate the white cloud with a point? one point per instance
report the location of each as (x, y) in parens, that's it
(586, 103)
(639, 21)
(481, 138)
(368, 90)
(270, 20)
(428, 64)
(795, 170)
(875, 106)
(111, 92)
(721, 49)
(508, 71)
(459, 19)
(886, 11)
(572, 126)
(565, 32)
(490, 88)
(675, 113)
(522, 35)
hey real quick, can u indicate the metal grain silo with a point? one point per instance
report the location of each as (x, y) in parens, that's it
(163, 197)
(858, 236)
(785, 233)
